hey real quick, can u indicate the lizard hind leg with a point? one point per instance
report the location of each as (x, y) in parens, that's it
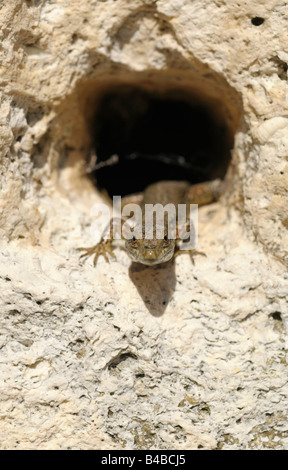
(206, 192)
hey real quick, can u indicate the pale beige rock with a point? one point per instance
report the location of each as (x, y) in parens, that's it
(118, 357)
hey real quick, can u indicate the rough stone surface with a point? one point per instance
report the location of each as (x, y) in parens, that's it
(122, 357)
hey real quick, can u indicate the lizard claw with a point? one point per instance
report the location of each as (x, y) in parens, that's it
(102, 248)
(191, 253)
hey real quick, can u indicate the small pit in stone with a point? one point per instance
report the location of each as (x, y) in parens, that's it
(148, 135)
(257, 21)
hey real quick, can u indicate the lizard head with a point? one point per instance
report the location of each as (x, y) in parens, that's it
(150, 252)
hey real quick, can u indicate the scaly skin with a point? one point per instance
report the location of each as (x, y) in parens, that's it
(156, 251)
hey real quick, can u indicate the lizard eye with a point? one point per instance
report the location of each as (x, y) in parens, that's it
(133, 242)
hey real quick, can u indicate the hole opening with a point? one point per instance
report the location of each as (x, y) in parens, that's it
(257, 21)
(156, 134)
(130, 129)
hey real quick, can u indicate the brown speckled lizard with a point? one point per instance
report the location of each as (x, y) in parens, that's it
(156, 251)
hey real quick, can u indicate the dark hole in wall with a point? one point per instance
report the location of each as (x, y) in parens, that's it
(155, 136)
(257, 20)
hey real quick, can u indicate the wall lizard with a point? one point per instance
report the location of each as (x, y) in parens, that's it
(156, 251)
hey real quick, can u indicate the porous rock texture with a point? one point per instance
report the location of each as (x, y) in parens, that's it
(119, 356)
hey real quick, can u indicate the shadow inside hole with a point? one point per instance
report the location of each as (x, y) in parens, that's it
(157, 136)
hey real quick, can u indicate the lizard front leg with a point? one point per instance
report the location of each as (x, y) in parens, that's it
(104, 247)
(191, 253)
(108, 243)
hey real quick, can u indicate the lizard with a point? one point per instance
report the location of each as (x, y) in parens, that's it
(157, 251)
